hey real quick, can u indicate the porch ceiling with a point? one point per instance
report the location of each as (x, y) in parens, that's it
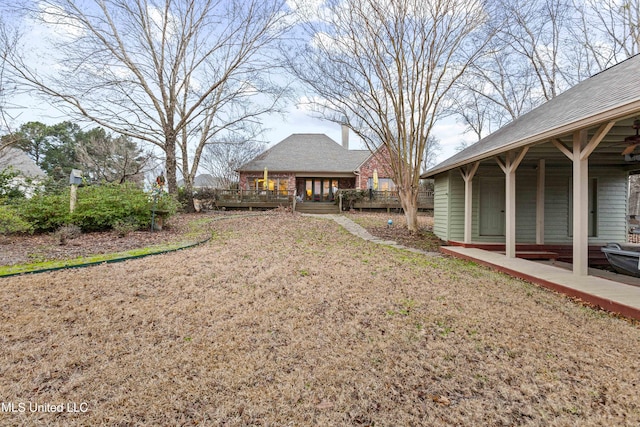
(607, 154)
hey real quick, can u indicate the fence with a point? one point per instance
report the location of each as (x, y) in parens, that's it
(254, 196)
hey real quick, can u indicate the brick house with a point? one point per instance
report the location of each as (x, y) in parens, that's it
(315, 166)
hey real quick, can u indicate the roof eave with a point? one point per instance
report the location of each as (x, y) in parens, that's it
(616, 113)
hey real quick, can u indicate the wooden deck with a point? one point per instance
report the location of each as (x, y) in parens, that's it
(606, 293)
(264, 199)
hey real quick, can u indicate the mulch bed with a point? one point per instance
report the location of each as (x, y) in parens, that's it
(47, 247)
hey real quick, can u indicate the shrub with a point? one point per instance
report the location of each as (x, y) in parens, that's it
(46, 212)
(11, 222)
(98, 208)
(164, 203)
(101, 207)
(125, 226)
(67, 232)
(12, 186)
(350, 196)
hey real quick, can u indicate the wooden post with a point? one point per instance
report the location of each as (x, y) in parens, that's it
(579, 155)
(295, 195)
(580, 206)
(509, 167)
(467, 175)
(74, 196)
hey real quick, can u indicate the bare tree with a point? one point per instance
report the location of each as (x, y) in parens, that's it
(8, 43)
(609, 30)
(431, 150)
(174, 73)
(221, 159)
(386, 69)
(496, 90)
(533, 58)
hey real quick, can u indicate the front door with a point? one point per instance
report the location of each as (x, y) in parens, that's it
(492, 206)
(321, 189)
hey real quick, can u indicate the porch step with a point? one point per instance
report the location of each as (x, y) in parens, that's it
(317, 208)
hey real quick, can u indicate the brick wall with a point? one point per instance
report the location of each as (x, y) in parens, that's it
(379, 161)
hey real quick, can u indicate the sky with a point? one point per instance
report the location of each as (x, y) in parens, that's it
(297, 120)
(448, 131)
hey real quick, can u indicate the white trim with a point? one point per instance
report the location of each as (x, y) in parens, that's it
(596, 139)
(467, 175)
(580, 205)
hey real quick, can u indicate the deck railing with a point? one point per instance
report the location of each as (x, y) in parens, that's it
(267, 196)
(392, 196)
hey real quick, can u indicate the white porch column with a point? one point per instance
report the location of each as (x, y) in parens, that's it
(509, 167)
(540, 200)
(582, 149)
(580, 206)
(467, 175)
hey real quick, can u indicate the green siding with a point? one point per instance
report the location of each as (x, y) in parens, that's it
(611, 206)
(526, 189)
(490, 170)
(441, 206)
(556, 206)
(611, 215)
(456, 210)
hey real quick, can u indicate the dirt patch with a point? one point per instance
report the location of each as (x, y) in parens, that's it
(284, 319)
(378, 225)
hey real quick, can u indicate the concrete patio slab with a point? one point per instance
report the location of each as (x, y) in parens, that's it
(610, 295)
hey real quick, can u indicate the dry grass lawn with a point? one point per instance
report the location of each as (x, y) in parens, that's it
(288, 320)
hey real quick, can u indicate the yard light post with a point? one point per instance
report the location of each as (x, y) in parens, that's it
(75, 179)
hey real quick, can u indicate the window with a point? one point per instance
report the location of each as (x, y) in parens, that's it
(276, 184)
(384, 184)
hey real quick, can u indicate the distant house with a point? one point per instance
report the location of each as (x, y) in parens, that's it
(554, 179)
(28, 170)
(205, 180)
(316, 166)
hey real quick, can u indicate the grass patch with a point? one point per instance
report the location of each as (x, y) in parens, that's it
(10, 270)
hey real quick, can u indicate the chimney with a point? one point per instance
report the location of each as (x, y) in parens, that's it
(345, 136)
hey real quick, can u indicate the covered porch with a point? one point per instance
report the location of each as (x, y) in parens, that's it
(554, 180)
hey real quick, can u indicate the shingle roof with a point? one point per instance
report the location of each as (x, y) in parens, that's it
(307, 152)
(616, 89)
(19, 160)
